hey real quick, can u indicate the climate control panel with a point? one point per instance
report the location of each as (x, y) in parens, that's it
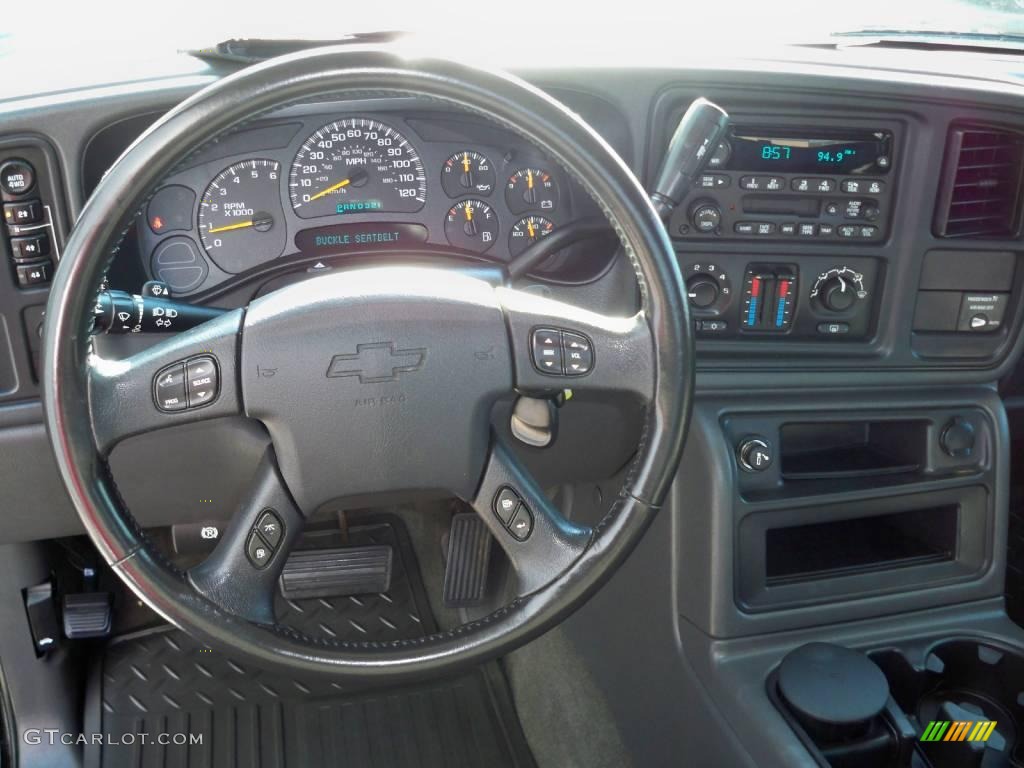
(801, 297)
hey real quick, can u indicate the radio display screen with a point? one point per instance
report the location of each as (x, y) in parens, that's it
(852, 154)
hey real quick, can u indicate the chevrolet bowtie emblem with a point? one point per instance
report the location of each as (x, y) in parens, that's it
(376, 363)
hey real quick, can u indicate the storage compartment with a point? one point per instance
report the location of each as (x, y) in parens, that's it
(844, 547)
(820, 553)
(835, 449)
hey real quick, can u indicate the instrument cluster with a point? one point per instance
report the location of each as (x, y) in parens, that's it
(306, 185)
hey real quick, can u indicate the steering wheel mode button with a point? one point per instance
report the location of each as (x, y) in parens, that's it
(203, 381)
(269, 527)
(169, 388)
(547, 351)
(505, 503)
(258, 551)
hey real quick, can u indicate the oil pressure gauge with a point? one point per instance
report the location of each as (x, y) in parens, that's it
(467, 173)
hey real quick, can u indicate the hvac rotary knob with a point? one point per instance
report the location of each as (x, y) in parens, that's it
(838, 295)
(702, 291)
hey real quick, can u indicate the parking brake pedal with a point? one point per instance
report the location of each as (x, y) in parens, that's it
(337, 572)
(87, 614)
(469, 556)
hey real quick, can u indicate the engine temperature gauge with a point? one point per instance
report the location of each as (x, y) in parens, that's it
(526, 232)
(467, 173)
(471, 225)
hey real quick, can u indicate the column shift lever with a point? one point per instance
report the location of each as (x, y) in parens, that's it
(692, 145)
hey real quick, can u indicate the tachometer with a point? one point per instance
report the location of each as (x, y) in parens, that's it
(240, 217)
(356, 165)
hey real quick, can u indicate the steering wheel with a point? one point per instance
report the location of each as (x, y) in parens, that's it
(431, 348)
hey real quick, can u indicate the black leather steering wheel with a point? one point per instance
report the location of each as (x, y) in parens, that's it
(430, 429)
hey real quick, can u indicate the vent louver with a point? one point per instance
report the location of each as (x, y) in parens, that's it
(980, 193)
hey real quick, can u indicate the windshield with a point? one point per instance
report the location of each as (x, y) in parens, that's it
(507, 34)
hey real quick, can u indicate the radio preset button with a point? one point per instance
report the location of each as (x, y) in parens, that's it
(874, 186)
(813, 184)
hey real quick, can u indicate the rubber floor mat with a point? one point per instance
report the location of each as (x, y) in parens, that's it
(149, 688)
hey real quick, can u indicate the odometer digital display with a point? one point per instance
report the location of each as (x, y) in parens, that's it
(356, 165)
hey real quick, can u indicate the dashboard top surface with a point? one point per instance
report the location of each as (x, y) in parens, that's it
(917, 95)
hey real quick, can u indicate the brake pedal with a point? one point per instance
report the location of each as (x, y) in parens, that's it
(337, 572)
(469, 557)
(87, 614)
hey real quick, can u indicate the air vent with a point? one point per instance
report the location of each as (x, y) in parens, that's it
(980, 193)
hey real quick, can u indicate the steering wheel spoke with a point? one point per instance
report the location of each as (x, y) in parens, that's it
(241, 574)
(559, 346)
(188, 377)
(539, 541)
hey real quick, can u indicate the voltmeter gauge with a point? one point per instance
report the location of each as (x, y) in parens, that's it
(467, 173)
(471, 225)
(526, 232)
(531, 189)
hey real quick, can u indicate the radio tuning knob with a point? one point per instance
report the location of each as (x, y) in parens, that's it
(706, 216)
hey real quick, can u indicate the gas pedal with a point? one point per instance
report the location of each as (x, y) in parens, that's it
(469, 557)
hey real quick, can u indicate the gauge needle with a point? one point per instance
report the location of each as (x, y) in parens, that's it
(330, 189)
(529, 179)
(469, 213)
(228, 227)
(530, 229)
(465, 162)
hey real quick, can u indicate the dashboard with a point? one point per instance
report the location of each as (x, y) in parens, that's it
(323, 182)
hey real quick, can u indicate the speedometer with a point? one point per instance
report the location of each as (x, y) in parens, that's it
(356, 165)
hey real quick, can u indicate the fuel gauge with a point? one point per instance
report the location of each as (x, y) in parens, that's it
(471, 225)
(467, 173)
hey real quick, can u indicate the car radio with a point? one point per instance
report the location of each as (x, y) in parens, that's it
(764, 183)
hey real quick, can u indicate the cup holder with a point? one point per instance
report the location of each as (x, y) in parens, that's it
(953, 703)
